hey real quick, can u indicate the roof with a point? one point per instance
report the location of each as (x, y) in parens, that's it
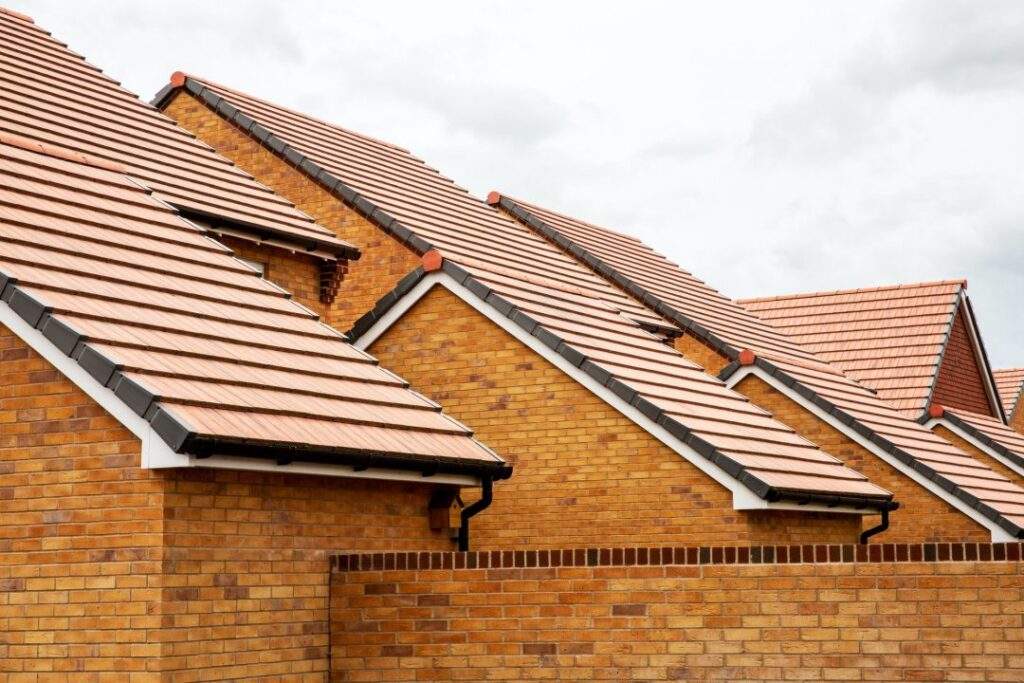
(992, 433)
(889, 338)
(217, 359)
(725, 325)
(54, 96)
(1009, 384)
(545, 292)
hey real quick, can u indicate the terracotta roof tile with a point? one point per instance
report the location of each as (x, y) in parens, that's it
(184, 330)
(1010, 384)
(576, 310)
(52, 95)
(725, 324)
(889, 338)
(998, 436)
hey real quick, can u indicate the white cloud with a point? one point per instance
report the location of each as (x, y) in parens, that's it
(767, 147)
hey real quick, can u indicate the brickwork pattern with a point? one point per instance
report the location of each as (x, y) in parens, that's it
(922, 516)
(1017, 420)
(959, 383)
(584, 473)
(80, 533)
(112, 573)
(384, 261)
(297, 273)
(885, 620)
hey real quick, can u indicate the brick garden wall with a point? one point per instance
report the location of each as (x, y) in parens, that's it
(924, 612)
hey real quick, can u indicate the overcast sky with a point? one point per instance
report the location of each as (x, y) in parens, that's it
(768, 147)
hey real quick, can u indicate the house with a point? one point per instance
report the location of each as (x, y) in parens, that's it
(920, 348)
(417, 211)
(182, 443)
(944, 490)
(615, 436)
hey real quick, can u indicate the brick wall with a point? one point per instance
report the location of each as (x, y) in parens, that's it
(922, 516)
(109, 572)
(583, 472)
(297, 273)
(931, 612)
(80, 532)
(959, 383)
(384, 261)
(1017, 420)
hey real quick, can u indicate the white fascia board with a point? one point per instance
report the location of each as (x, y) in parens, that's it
(999, 535)
(742, 497)
(971, 439)
(156, 454)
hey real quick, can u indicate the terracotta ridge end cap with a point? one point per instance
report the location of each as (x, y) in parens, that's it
(747, 357)
(60, 153)
(936, 411)
(493, 197)
(432, 260)
(178, 79)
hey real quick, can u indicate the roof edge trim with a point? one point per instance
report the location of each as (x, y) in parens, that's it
(977, 438)
(749, 492)
(295, 158)
(610, 273)
(166, 441)
(1001, 528)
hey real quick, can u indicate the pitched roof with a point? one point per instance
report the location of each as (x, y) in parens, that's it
(216, 358)
(991, 432)
(52, 95)
(726, 325)
(1010, 384)
(888, 338)
(545, 292)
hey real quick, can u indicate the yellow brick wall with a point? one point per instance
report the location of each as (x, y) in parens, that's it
(701, 354)
(886, 621)
(80, 533)
(922, 515)
(384, 260)
(137, 575)
(584, 474)
(979, 454)
(297, 273)
(1017, 420)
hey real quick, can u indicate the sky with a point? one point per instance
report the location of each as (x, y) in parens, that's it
(768, 148)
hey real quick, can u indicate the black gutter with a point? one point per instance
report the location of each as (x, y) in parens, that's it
(981, 436)
(182, 440)
(299, 160)
(502, 305)
(863, 430)
(472, 510)
(687, 324)
(875, 530)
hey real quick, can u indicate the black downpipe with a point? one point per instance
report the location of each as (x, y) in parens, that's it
(474, 509)
(876, 529)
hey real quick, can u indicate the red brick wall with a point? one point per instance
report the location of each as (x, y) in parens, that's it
(923, 613)
(959, 383)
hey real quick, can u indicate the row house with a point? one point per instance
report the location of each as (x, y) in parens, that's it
(565, 281)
